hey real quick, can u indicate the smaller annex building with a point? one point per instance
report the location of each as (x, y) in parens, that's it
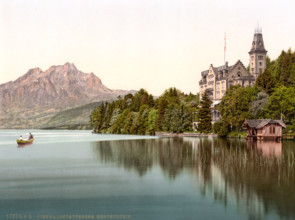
(264, 129)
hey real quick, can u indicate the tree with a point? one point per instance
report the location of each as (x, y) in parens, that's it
(204, 114)
(177, 119)
(281, 103)
(235, 104)
(284, 68)
(97, 117)
(141, 114)
(152, 118)
(266, 82)
(257, 105)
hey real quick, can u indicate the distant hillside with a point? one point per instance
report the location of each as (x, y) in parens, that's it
(75, 118)
(32, 99)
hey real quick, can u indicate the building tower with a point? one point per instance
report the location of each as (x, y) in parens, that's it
(257, 54)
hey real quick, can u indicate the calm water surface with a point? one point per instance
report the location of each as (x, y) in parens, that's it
(79, 175)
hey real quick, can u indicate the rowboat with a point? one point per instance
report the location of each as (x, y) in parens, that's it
(28, 141)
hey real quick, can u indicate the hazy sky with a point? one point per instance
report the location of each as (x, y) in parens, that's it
(133, 44)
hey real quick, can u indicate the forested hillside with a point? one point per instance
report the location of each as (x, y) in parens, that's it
(273, 96)
(173, 111)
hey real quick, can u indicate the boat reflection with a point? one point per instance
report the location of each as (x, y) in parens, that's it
(23, 145)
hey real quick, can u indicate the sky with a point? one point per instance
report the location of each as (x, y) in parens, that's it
(133, 44)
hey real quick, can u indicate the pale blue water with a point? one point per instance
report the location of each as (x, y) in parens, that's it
(80, 175)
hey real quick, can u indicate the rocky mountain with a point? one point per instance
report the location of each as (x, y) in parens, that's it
(33, 98)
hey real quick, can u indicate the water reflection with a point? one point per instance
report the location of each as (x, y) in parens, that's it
(258, 177)
(267, 148)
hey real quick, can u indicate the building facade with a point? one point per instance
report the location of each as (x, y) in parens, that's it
(216, 80)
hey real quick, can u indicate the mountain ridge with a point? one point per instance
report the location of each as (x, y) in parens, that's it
(58, 88)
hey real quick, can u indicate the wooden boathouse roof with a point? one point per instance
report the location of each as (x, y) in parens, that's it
(260, 123)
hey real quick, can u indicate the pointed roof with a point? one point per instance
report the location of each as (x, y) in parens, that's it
(257, 44)
(239, 62)
(260, 123)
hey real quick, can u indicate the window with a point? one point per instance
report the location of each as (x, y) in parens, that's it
(239, 74)
(223, 84)
(252, 70)
(260, 57)
(252, 57)
(260, 70)
(217, 95)
(217, 85)
(260, 63)
(272, 130)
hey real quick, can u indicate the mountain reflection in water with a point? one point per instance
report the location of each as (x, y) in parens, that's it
(258, 176)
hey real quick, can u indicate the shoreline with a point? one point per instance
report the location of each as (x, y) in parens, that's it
(168, 134)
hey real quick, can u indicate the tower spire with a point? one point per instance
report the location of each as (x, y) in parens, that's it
(257, 54)
(224, 47)
(258, 29)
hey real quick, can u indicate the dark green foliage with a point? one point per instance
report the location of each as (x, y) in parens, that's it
(284, 68)
(266, 82)
(170, 97)
(177, 119)
(141, 114)
(152, 119)
(163, 103)
(216, 127)
(204, 114)
(281, 104)
(234, 107)
(225, 128)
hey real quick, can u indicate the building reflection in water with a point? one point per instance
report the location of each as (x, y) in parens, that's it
(258, 177)
(267, 148)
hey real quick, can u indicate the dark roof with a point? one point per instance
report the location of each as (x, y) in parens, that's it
(257, 44)
(260, 123)
(217, 69)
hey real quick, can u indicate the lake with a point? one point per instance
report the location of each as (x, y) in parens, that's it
(80, 175)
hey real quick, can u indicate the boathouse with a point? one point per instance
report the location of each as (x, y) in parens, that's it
(264, 129)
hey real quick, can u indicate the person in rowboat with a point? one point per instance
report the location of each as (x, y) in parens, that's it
(31, 137)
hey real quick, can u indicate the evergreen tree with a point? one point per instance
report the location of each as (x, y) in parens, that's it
(266, 82)
(204, 114)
